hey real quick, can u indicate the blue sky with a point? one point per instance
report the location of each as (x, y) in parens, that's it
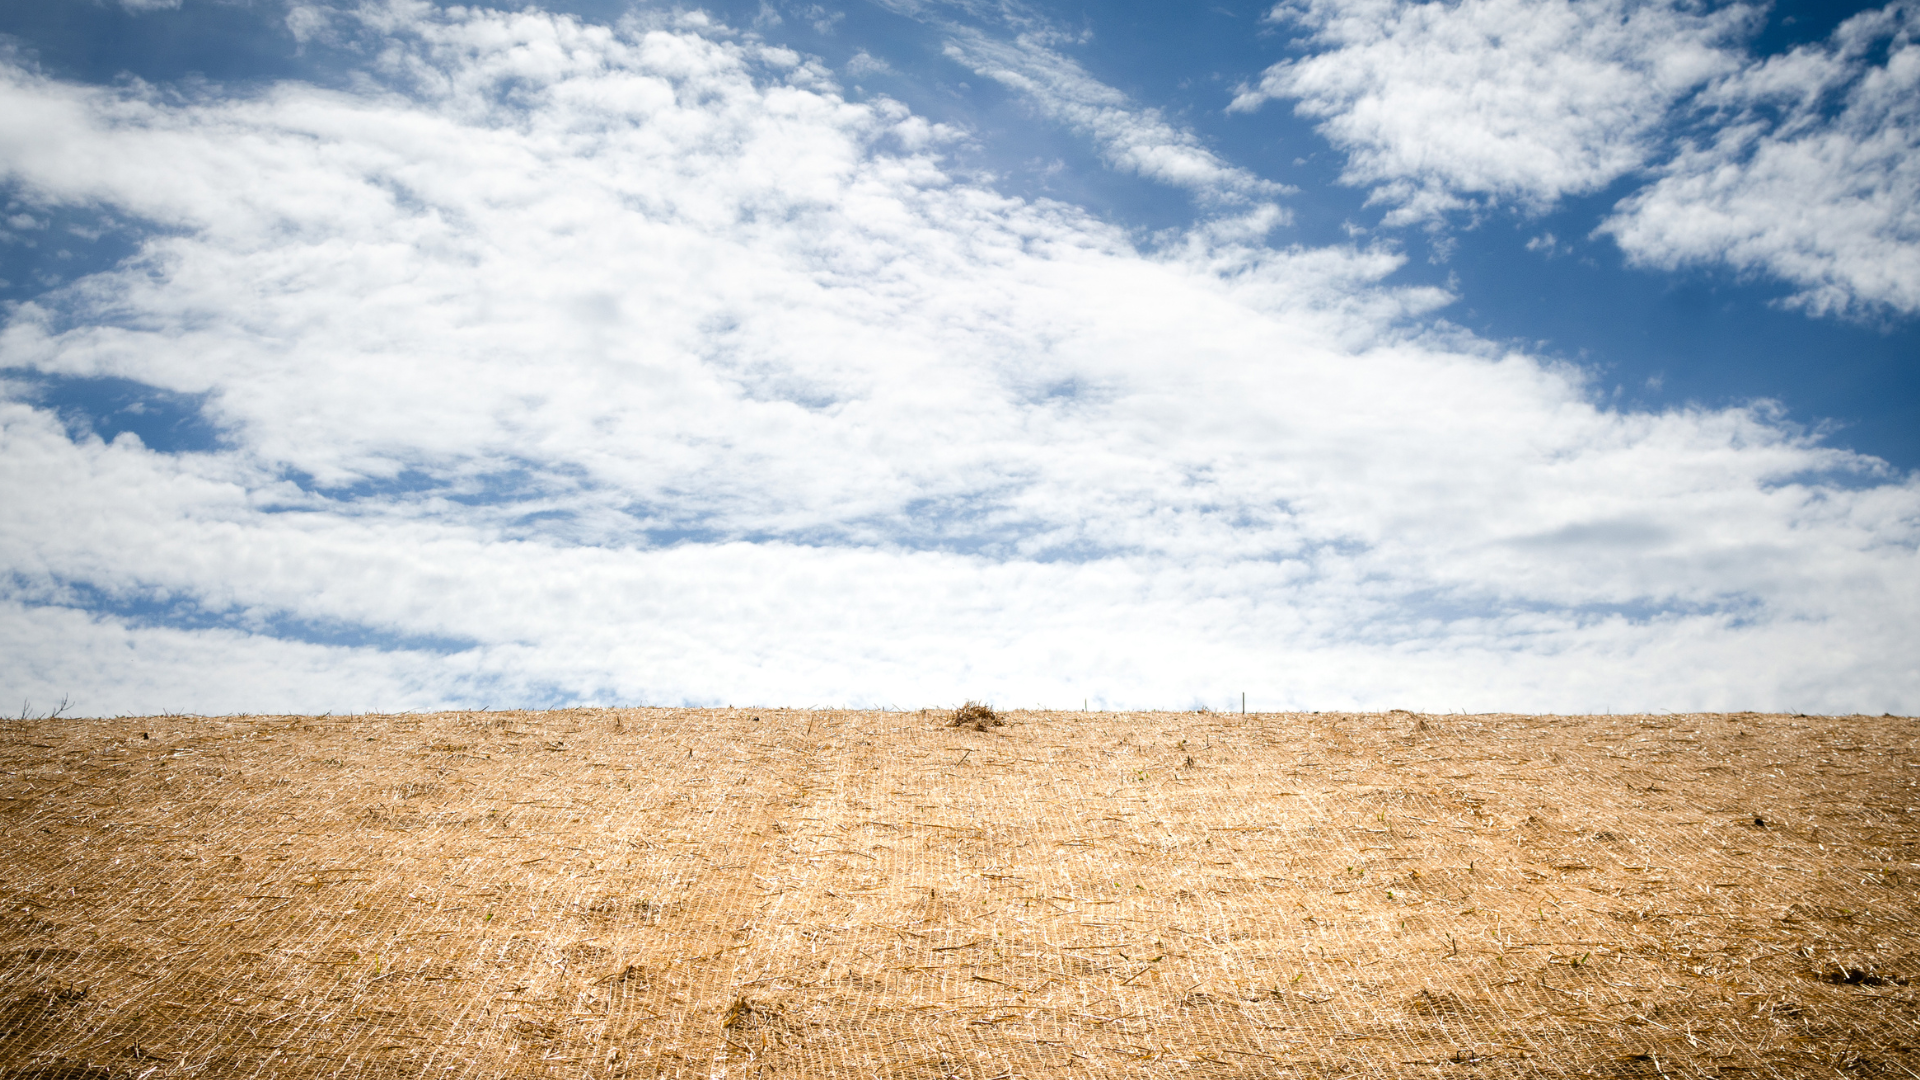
(1533, 354)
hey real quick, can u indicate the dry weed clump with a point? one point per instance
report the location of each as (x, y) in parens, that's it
(666, 894)
(976, 715)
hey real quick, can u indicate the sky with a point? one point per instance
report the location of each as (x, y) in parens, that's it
(1528, 355)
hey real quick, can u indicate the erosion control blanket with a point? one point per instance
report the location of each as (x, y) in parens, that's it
(740, 893)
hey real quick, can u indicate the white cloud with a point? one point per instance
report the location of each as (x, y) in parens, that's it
(1133, 139)
(558, 361)
(866, 65)
(1023, 56)
(1806, 169)
(1437, 104)
(1814, 176)
(309, 22)
(1547, 244)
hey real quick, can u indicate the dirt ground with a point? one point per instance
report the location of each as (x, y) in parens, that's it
(795, 893)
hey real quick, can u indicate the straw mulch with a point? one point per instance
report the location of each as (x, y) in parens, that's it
(744, 893)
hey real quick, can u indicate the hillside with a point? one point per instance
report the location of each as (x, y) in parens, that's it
(680, 893)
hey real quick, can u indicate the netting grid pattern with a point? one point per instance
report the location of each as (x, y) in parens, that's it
(745, 893)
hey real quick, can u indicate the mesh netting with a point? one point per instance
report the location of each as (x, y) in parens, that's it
(677, 893)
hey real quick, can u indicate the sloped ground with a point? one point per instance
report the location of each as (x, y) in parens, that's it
(654, 892)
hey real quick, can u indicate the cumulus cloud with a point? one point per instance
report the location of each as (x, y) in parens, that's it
(560, 362)
(1801, 166)
(1813, 174)
(1439, 104)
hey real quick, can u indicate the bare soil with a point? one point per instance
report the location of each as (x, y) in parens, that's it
(744, 893)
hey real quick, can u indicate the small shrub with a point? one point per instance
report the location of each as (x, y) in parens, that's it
(977, 716)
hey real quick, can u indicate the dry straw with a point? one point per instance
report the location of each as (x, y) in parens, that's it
(676, 893)
(977, 716)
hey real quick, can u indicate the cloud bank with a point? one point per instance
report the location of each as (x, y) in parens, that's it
(1799, 166)
(557, 362)
(1813, 177)
(1517, 100)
